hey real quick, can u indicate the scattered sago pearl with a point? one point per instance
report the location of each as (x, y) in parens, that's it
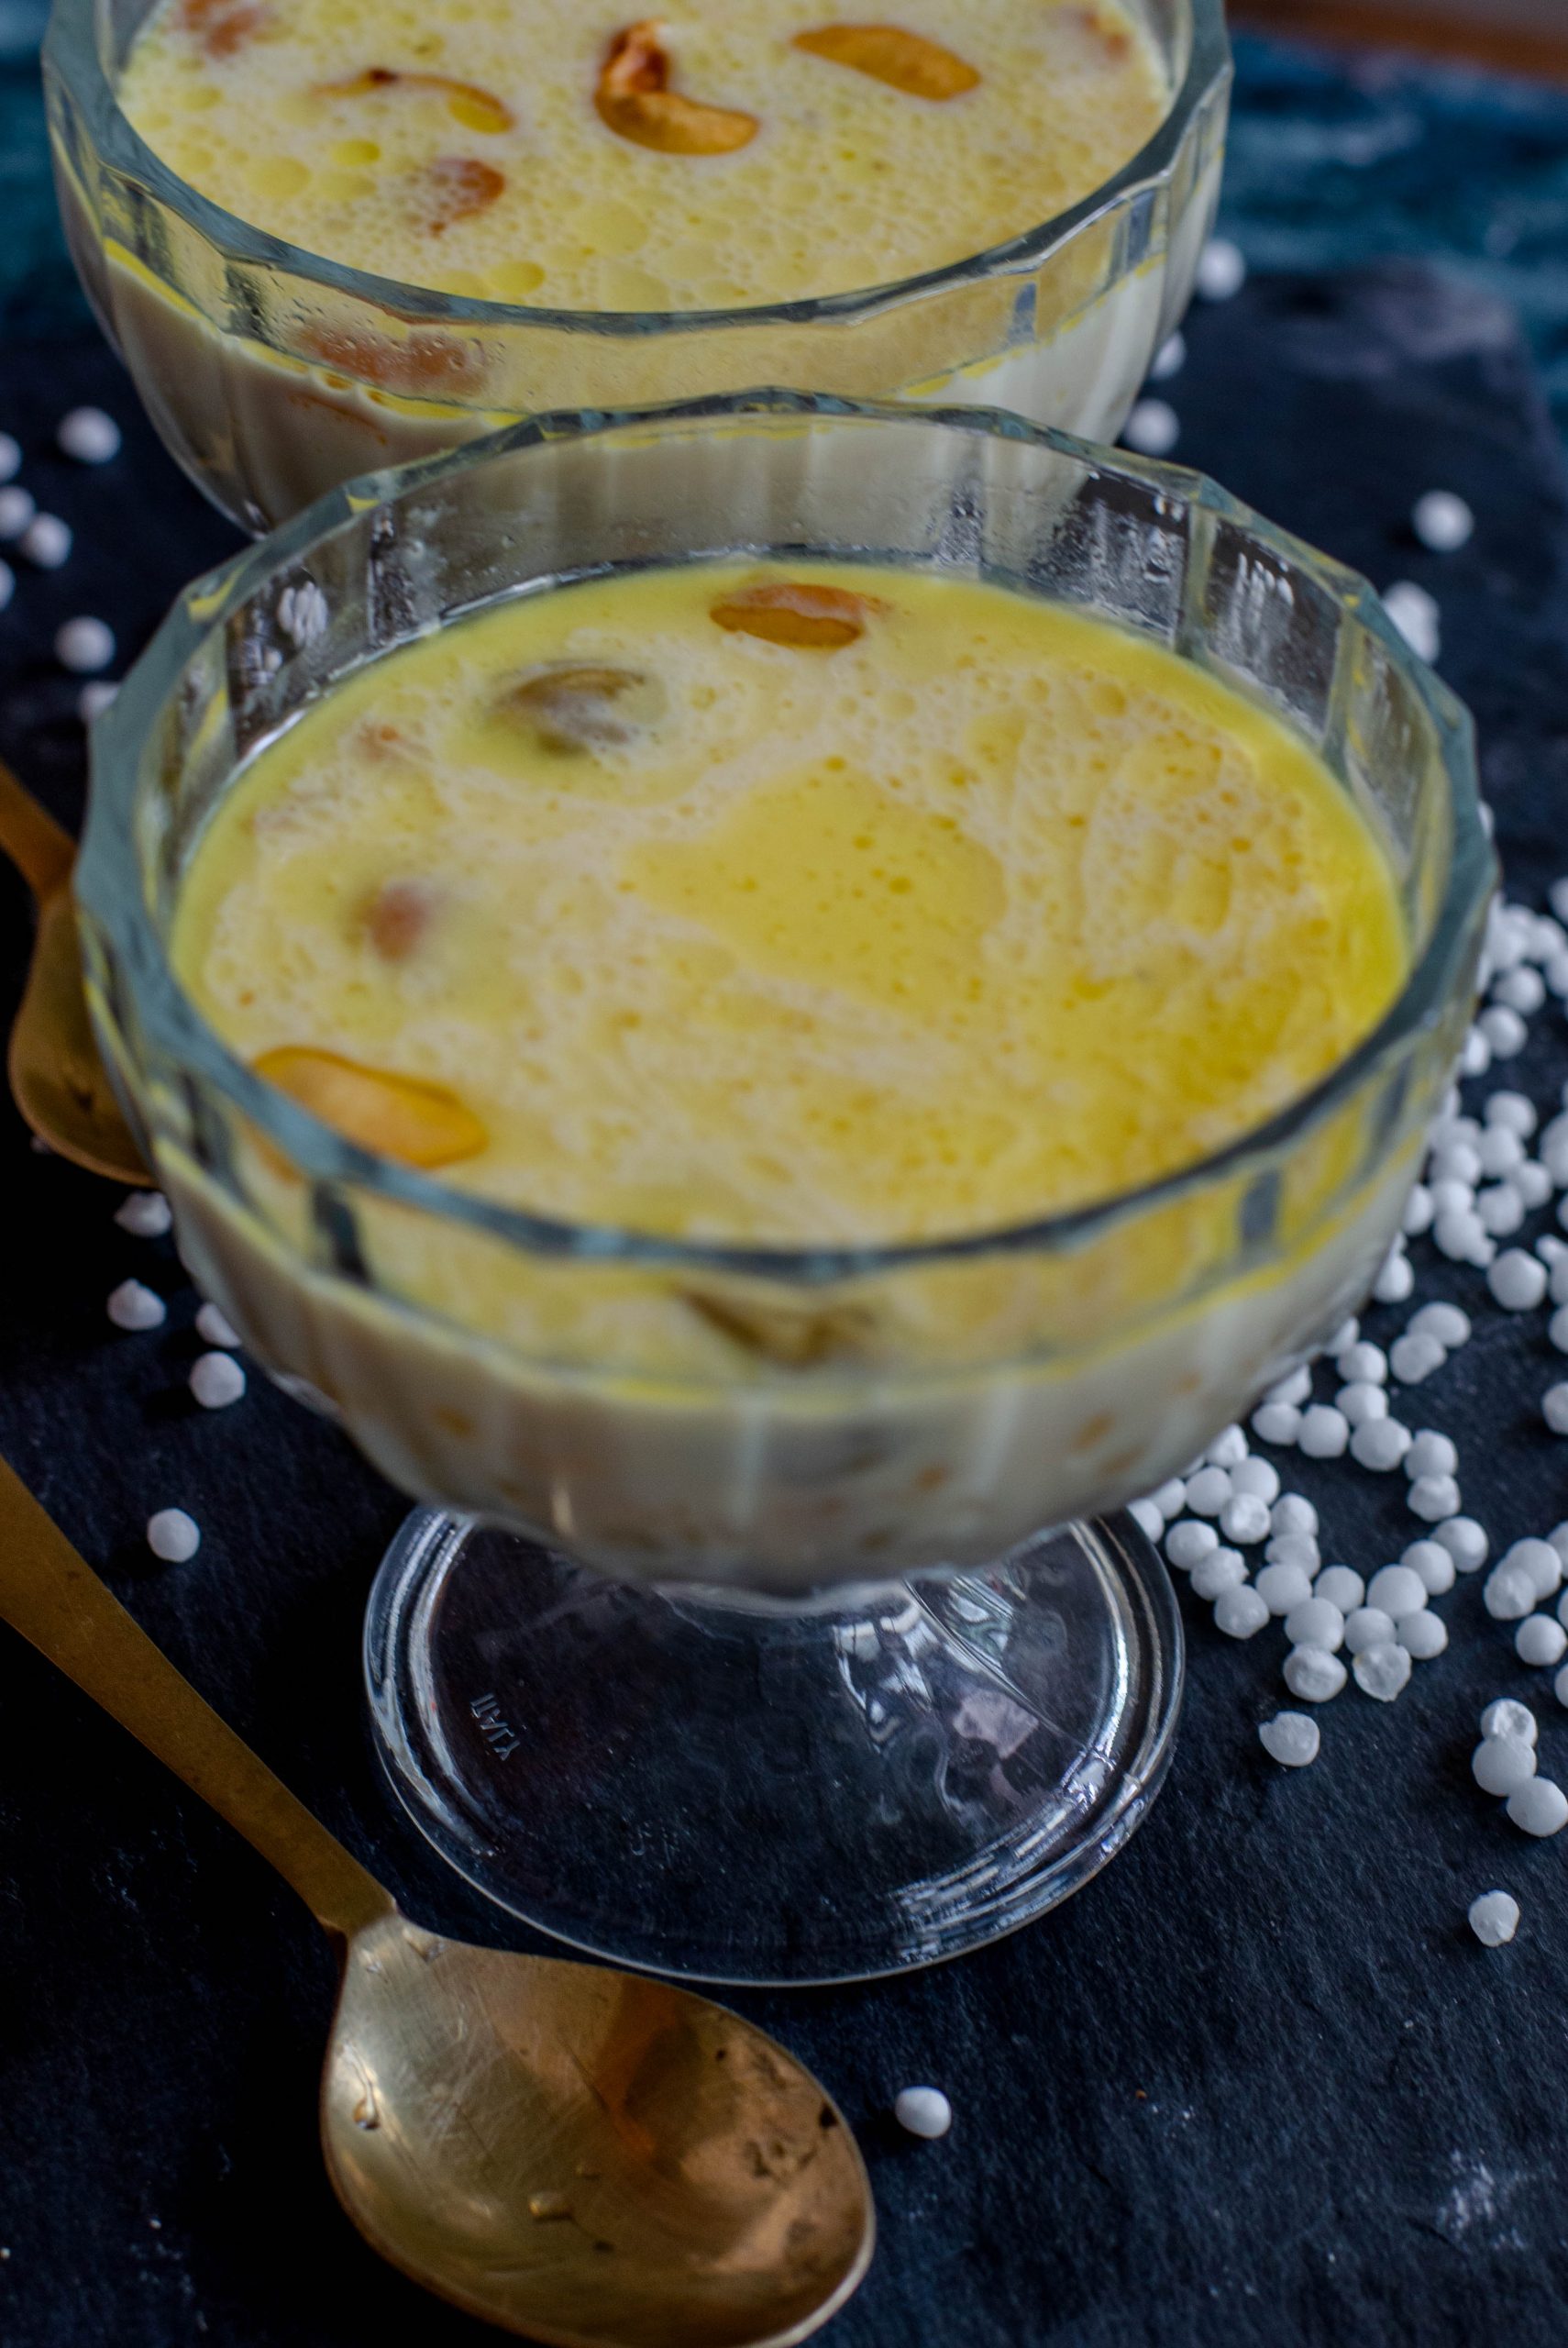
(1363, 1364)
(1147, 1518)
(1465, 1541)
(1171, 1498)
(1499, 1149)
(1422, 1635)
(1347, 1334)
(1510, 1594)
(1540, 1640)
(1557, 1329)
(1558, 1537)
(924, 2111)
(1398, 1590)
(1259, 1477)
(1500, 1210)
(95, 699)
(1503, 1030)
(1282, 1587)
(1152, 428)
(18, 507)
(10, 457)
(1554, 1409)
(1515, 1111)
(1313, 1674)
(132, 1306)
(1523, 990)
(1533, 1185)
(1316, 1622)
(1518, 1280)
(1539, 1808)
(89, 435)
(1442, 1321)
(1221, 270)
(1223, 1570)
(1293, 1512)
(1506, 1716)
(1227, 1449)
(46, 541)
(1169, 359)
(1452, 1194)
(174, 1536)
(1359, 1403)
(1294, 1549)
(1380, 1444)
(1494, 1918)
(1342, 1586)
(1207, 1491)
(145, 1214)
(1430, 1454)
(1277, 1423)
(1560, 1685)
(1395, 1278)
(1324, 1432)
(1244, 1518)
(1297, 1386)
(83, 645)
(1500, 1765)
(1476, 1057)
(1433, 1498)
(1186, 1545)
(1540, 1560)
(1368, 1626)
(1418, 1216)
(1414, 1355)
(1415, 615)
(1240, 1613)
(216, 1379)
(1291, 1739)
(1432, 1562)
(1382, 1671)
(215, 1328)
(1442, 521)
(1462, 1240)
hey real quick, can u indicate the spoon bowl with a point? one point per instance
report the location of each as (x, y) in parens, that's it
(591, 2157)
(585, 2156)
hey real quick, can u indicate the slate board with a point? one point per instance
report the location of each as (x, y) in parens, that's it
(1258, 2084)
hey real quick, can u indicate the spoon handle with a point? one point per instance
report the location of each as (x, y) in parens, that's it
(54, 1599)
(42, 853)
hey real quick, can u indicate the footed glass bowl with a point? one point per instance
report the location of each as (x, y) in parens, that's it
(746, 1428)
(274, 374)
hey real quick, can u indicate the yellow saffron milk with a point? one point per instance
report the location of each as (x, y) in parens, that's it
(561, 153)
(821, 902)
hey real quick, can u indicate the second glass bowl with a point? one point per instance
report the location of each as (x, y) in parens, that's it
(273, 374)
(741, 1763)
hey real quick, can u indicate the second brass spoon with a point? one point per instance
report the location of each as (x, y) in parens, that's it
(55, 1074)
(593, 2158)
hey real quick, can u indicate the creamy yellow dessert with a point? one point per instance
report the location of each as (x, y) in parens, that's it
(551, 152)
(811, 903)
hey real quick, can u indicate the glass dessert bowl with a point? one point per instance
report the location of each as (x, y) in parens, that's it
(829, 1703)
(274, 374)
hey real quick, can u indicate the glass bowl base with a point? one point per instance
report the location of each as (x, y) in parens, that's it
(732, 1791)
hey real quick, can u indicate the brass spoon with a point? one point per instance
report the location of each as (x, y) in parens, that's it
(591, 2157)
(57, 1076)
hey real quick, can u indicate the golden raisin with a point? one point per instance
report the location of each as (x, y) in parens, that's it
(792, 1337)
(906, 61)
(397, 917)
(222, 27)
(455, 187)
(634, 99)
(568, 708)
(396, 1116)
(794, 612)
(475, 107)
(426, 364)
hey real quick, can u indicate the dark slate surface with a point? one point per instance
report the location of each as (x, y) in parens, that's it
(1257, 2084)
